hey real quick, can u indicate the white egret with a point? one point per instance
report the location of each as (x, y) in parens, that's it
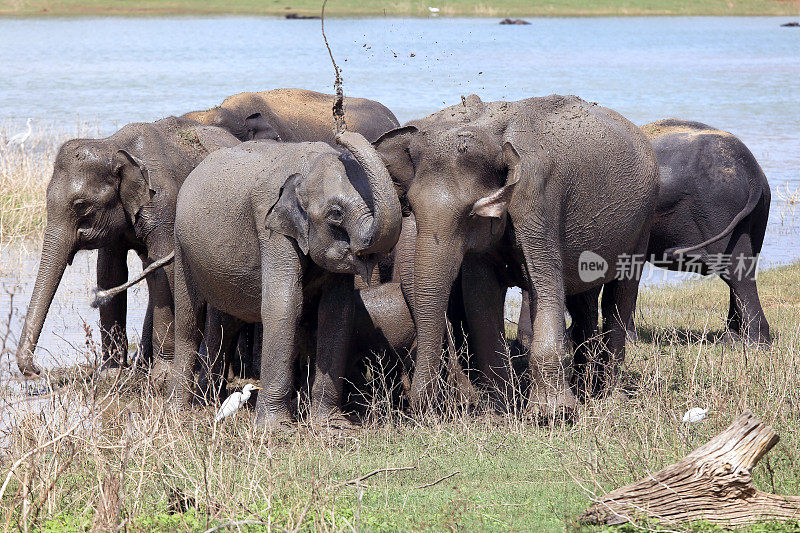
(433, 9)
(20, 138)
(233, 402)
(695, 415)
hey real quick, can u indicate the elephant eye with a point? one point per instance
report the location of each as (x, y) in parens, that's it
(335, 215)
(82, 207)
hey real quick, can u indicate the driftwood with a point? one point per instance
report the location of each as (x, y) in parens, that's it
(712, 483)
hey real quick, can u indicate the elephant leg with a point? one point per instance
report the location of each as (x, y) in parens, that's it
(524, 326)
(334, 331)
(222, 333)
(619, 301)
(241, 354)
(162, 334)
(144, 356)
(163, 315)
(550, 396)
(281, 309)
(753, 325)
(734, 320)
(745, 316)
(633, 335)
(112, 270)
(484, 297)
(189, 319)
(583, 308)
(254, 358)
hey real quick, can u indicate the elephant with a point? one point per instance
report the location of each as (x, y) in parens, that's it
(117, 194)
(518, 193)
(383, 335)
(295, 115)
(711, 215)
(713, 202)
(273, 232)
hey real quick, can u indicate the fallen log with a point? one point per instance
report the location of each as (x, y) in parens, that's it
(713, 483)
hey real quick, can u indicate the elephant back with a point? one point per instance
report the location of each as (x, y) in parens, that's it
(300, 115)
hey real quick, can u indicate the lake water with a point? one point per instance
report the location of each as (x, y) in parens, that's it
(741, 74)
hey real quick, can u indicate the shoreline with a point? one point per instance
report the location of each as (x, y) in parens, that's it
(11, 9)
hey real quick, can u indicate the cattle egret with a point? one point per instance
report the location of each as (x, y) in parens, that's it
(695, 415)
(20, 138)
(233, 402)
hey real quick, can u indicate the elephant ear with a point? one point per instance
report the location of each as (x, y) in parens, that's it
(288, 215)
(259, 128)
(135, 189)
(393, 149)
(495, 205)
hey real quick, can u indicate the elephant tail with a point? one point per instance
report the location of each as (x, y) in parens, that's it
(754, 196)
(102, 297)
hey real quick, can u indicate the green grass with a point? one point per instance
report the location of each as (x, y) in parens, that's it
(505, 473)
(401, 7)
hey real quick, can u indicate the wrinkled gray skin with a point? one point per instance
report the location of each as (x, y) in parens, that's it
(291, 230)
(295, 115)
(117, 194)
(511, 193)
(383, 325)
(289, 115)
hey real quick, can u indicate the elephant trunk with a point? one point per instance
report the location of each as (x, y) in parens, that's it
(56, 255)
(436, 264)
(387, 217)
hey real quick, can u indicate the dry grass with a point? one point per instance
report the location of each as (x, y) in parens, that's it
(108, 454)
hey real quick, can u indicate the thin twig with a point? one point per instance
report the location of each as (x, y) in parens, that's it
(338, 104)
(448, 476)
(357, 480)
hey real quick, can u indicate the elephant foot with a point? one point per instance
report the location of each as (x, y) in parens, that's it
(275, 421)
(420, 403)
(500, 402)
(548, 405)
(331, 420)
(491, 418)
(732, 339)
(160, 375)
(29, 369)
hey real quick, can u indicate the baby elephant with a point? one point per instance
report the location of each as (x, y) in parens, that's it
(274, 232)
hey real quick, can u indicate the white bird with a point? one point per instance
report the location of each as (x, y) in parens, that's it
(695, 415)
(20, 138)
(433, 9)
(233, 402)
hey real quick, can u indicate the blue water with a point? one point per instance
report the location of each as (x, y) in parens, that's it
(741, 74)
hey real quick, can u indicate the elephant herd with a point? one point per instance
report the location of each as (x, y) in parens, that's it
(383, 238)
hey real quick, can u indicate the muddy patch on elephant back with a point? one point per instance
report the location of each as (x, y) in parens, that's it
(666, 126)
(189, 139)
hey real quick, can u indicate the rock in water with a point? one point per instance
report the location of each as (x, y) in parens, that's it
(514, 21)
